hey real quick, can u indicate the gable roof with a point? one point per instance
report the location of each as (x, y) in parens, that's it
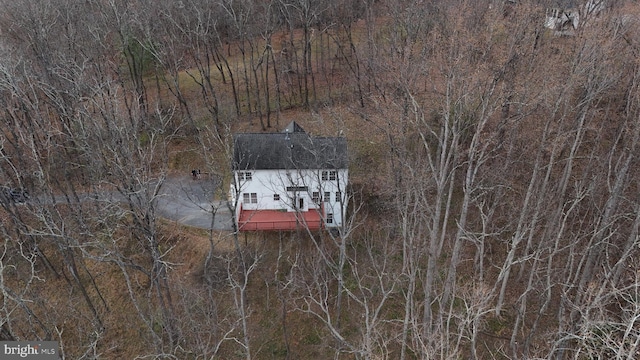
(293, 149)
(293, 127)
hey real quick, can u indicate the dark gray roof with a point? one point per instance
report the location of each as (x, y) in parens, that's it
(288, 150)
(563, 4)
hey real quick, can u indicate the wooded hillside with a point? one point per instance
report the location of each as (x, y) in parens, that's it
(494, 199)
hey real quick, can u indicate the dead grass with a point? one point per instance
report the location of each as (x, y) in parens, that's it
(189, 247)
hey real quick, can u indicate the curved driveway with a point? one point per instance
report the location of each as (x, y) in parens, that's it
(190, 202)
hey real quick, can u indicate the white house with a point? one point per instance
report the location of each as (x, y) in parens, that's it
(566, 15)
(562, 19)
(289, 180)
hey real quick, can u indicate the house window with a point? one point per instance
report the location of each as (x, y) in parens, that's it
(315, 197)
(250, 198)
(327, 196)
(329, 175)
(245, 176)
(276, 197)
(329, 218)
(338, 196)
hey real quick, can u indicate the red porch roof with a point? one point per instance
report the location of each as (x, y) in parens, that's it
(253, 220)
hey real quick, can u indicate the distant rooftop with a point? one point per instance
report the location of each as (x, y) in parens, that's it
(566, 4)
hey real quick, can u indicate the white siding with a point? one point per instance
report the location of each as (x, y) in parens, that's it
(265, 183)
